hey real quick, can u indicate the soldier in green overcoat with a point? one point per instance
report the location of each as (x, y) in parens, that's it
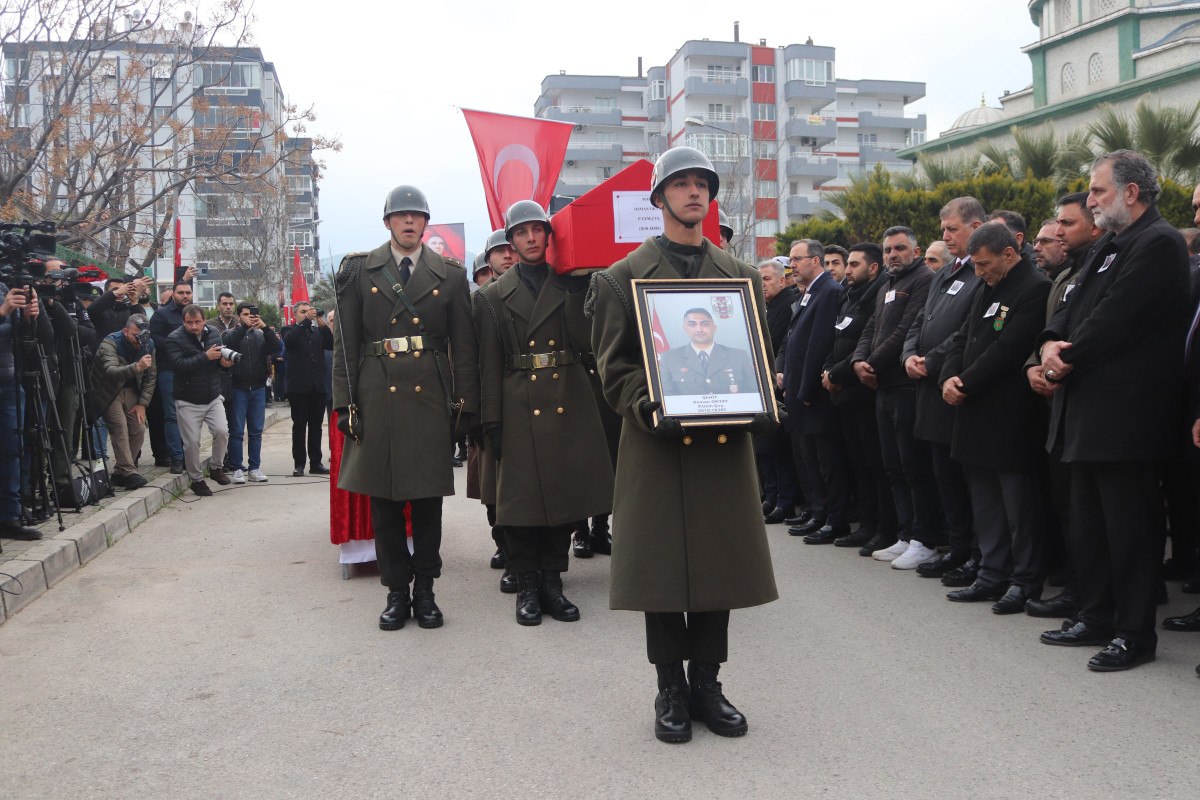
(689, 542)
(405, 376)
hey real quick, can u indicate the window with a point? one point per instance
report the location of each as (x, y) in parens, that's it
(1068, 78)
(1102, 7)
(1064, 13)
(658, 90)
(720, 112)
(226, 209)
(769, 189)
(1095, 68)
(766, 149)
(764, 112)
(229, 76)
(605, 103)
(763, 74)
(206, 293)
(869, 139)
(767, 227)
(811, 71)
(716, 146)
(914, 138)
(299, 183)
(16, 69)
(299, 238)
(604, 173)
(719, 73)
(300, 212)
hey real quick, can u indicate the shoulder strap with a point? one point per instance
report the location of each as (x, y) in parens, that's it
(589, 306)
(501, 331)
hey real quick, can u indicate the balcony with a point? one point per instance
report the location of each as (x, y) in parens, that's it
(869, 154)
(799, 90)
(716, 83)
(584, 115)
(823, 167)
(574, 188)
(890, 119)
(806, 205)
(656, 110)
(730, 123)
(593, 151)
(814, 126)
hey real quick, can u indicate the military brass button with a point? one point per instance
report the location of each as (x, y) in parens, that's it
(416, 388)
(708, 380)
(533, 377)
(416, 320)
(687, 440)
(532, 342)
(537, 412)
(560, 409)
(374, 290)
(555, 376)
(416, 354)
(391, 355)
(722, 439)
(393, 322)
(551, 343)
(391, 388)
(435, 292)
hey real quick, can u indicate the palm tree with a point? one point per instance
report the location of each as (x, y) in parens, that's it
(945, 170)
(1168, 137)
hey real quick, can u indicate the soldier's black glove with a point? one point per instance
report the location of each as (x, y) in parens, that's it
(763, 423)
(666, 429)
(492, 432)
(462, 428)
(349, 427)
(475, 435)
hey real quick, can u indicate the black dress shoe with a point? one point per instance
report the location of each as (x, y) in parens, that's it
(939, 566)
(162, 462)
(856, 539)
(672, 717)
(425, 610)
(392, 618)
(601, 535)
(13, 529)
(529, 609)
(977, 592)
(1186, 623)
(1120, 656)
(708, 703)
(1013, 602)
(298, 472)
(879, 541)
(134, 481)
(827, 535)
(318, 469)
(962, 576)
(200, 488)
(812, 526)
(553, 601)
(176, 467)
(768, 506)
(775, 516)
(801, 519)
(508, 582)
(582, 546)
(499, 558)
(1078, 635)
(1064, 604)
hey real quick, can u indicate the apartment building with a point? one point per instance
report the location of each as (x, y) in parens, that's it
(781, 128)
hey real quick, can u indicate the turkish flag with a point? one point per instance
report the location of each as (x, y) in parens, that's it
(519, 158)
(661, 345)
(299, 284)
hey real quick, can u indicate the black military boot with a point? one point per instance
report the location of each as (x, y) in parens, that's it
(601, 536)
(392, 618)
(709, 705)
(672, 721)
(582, 547)
(529, 610)
(499, 558)
(508, 582)
(553, 600)
(426, 612)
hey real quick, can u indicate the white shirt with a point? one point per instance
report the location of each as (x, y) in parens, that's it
(396, 254)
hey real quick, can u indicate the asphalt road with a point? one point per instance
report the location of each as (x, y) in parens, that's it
(216, 652)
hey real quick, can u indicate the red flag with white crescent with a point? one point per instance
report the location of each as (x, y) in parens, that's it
(660, 336)
(519, 158)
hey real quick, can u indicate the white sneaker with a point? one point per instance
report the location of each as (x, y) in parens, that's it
(915, 554)
(889, 553)
(257, 476)
(239, 476)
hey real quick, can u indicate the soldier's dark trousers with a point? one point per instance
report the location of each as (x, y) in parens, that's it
(497, 530)
(956, 501)
(673, 636)
(308, 412)
(537, 548)
(396, 565)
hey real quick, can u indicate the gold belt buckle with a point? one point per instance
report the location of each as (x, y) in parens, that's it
(541, 360)
(398, 345)
(417, 342)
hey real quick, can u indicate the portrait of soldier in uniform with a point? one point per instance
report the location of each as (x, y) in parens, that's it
(702, 366)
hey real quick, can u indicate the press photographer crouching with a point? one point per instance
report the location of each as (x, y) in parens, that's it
(256, 343)
(196, 356)
(123, 380)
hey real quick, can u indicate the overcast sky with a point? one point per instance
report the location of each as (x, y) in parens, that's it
(388, 78)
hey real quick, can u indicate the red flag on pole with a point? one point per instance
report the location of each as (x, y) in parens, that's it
(178, 245)
(299, 283)
(519, 158)
(660, 336)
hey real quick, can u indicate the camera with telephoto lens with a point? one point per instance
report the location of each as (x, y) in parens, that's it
(233, 356)
(24, 249)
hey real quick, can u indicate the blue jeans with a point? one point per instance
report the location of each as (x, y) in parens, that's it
(166, 390)
(10, 466)
(249, 410)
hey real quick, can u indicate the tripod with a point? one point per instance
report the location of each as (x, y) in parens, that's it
(94, 489)
(34, 380)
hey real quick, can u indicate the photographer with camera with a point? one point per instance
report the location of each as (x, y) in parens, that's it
(167, 319)
(195, 356)
(306, 343)
(123, 380)
(248, 405)
(120, 299)
(14, 303)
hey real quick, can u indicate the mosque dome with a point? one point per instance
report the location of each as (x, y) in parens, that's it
(983, 114)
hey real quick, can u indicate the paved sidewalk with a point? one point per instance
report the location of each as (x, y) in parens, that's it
(28, 569)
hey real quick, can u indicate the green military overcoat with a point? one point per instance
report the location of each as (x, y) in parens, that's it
(688, 532)
(554, 466)
(403, 398)
(485, 462)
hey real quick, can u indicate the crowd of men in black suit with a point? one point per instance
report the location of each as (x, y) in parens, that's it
(1000, 413)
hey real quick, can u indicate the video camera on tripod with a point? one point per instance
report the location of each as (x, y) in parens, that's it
(24, 249)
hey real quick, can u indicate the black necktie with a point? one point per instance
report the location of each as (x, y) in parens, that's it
(405, 270)
(704, 362)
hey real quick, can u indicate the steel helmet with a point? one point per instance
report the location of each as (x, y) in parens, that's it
(405, 198)
(496, 238)
(524, 211)
(682, 159)
(723, 223)
(480, 263)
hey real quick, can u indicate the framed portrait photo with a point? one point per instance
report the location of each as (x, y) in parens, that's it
(704, 351)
